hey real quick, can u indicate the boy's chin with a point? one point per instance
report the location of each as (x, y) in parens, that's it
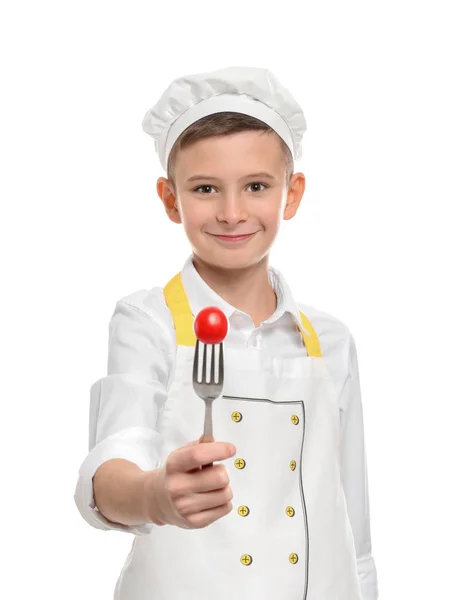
(232, 260)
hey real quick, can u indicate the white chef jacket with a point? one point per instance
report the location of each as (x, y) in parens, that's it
(142, 346)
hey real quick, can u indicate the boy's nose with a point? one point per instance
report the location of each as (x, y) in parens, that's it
(232, 209)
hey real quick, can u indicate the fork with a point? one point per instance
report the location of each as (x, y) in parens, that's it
(208, 391)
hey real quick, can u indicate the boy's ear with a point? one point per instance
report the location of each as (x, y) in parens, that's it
(294, 195)
(168, 197)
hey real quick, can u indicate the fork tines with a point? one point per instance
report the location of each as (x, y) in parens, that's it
(203, 379)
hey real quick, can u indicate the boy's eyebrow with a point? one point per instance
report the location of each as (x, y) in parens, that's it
(208, 177)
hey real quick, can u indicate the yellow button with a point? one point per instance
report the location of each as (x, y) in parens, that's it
(240, 463)
(243, 511)
(295, 419)
(246, 559)
(236, 416)
(293, 465)
(293, 558)
(290, 512)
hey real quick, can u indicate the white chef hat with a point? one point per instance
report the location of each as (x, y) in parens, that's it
(249, 90)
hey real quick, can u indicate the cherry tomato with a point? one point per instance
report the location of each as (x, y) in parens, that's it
(211, 325)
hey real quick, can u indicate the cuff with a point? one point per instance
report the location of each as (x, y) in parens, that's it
(368, 577)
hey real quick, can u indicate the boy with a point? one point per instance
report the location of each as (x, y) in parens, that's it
(285, 515)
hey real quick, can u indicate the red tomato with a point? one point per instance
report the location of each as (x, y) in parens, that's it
(211, 325)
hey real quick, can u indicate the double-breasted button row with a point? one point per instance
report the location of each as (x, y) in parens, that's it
(247, 559)
(244, 511)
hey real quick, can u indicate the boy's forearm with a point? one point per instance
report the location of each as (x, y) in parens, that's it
(120, 492)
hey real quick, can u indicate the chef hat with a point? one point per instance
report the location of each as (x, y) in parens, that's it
(249, 90)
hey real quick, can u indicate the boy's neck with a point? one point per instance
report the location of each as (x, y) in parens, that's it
(249, 289)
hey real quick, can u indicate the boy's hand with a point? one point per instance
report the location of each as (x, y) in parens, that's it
(181, 493)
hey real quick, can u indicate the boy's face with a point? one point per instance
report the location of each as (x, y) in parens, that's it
(229, 200)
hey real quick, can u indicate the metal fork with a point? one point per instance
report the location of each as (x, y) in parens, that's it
(208, 390)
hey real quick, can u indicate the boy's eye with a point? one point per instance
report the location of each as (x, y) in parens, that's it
(260, 184)
(255, 183)
(202, 186)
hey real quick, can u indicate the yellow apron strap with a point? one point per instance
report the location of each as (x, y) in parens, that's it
(311, 341)
(178, 304)
(176, 299)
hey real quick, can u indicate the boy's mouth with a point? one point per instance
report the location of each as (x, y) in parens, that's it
(234, 238)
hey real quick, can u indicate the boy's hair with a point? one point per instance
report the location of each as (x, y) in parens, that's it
(221, 124)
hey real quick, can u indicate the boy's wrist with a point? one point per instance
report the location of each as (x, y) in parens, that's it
(148, 493)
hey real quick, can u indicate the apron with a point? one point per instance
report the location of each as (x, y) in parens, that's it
(288, 536)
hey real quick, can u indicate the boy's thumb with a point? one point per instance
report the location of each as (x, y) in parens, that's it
(194, 442)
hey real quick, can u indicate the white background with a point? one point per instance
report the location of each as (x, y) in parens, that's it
(383, 241)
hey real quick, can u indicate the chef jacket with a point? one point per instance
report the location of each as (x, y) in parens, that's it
(142, 346)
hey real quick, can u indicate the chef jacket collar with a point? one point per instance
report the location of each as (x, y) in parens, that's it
(200, 295)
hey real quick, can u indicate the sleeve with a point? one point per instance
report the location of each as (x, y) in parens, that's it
(354, 475)
(125, 406)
